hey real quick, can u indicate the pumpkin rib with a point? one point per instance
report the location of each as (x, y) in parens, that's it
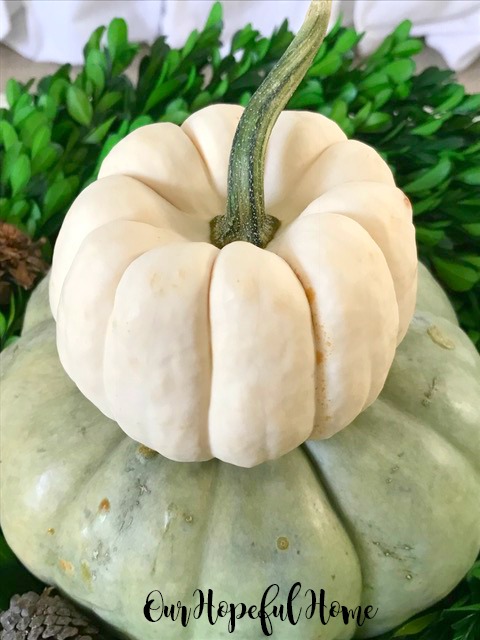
(272, 407)
(318, 471)
(355, 200)
(337, 165)
(159, 149)
(391, 396)
(392, 404)
(137, 364)
(322, 276)
(43, 336)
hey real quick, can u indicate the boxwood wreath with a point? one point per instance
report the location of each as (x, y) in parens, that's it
(54, 137)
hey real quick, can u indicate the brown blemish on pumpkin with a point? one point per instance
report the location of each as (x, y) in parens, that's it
(155, 281)
(146, 452)
(51, 531)
(407, 202)
(318, 357)
(429, 393)
(104, 506)
(85, 571)
(188, 518)
(282, 543)
(437, 336)
(310, 293)
(66, 566)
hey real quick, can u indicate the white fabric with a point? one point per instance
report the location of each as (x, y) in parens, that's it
(56, 30)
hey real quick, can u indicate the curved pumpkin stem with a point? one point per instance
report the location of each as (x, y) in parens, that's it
(245, 218)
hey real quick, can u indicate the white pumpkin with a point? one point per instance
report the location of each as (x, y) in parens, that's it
(240, 353)
(230, 288)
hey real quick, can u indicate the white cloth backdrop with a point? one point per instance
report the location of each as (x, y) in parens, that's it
(55, 30)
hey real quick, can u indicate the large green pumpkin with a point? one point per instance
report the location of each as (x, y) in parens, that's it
(385, 513)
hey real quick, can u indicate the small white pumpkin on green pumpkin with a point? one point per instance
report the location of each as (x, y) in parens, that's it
(236, 336)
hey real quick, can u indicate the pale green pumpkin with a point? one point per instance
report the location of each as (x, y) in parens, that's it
(384, 513)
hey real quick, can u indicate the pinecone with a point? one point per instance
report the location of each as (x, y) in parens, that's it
(21, 260)
(34, 617)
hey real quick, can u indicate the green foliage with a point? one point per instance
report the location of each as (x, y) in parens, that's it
(54, 137)
(14, 578)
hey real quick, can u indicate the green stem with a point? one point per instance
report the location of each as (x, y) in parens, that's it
(246, 218)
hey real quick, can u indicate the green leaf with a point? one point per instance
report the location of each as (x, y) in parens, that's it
(22, 113)
(79, 106)
(430, 178)
(9, 161)
(58, 90)
(13, 91)
(215, 16)
(93, 43)
(99, 133)
(220, 90)
(108, 100)
(416, 626)
(117, 37)
(203, 99)
(400, 70)
(41, 139)
(346, 41)
(471, 104)
(339, 111)
(141, 121)
(429, 237)
(30, 126)
(362, 115)
(43, 159)
(429, 128)
(455, 275)
(470, 176)
(376, 122)
(327, 66)
(162, 92)
(402, 32)
(20, 174)
(3, 329)
(19, 210)
(58, 196)
(375, 81)
(110, 142)
(473, 229)
(348, 92)
(457, 93)
(408, 48)
(8, 135)
(382, 97)
(95, 69)
(242, 38)
(473, 260)
(189, 44)
(49, 106)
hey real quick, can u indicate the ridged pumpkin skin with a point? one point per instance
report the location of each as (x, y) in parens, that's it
(385, 513)
(172, 338)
